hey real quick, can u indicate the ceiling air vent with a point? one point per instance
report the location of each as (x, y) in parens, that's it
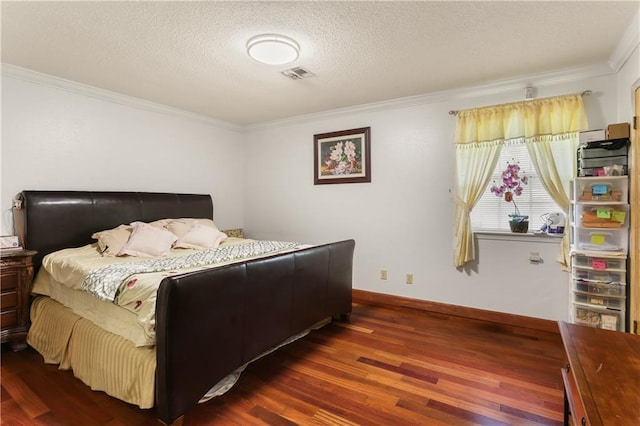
(297, 73)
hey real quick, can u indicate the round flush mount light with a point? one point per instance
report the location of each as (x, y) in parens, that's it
(273, 49)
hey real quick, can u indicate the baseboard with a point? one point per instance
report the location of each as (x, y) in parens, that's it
(369, 297)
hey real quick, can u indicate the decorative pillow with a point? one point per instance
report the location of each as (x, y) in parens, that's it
(182, 226)
(201, 237)
(148, 241)
(111, 241)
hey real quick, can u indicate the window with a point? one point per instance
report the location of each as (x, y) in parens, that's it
(491, 213)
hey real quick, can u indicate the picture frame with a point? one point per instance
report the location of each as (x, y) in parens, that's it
(342, 157)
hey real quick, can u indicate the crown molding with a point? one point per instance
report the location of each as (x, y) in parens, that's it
(628, 43)
(492, 88)
(35, 77)
(488, 89)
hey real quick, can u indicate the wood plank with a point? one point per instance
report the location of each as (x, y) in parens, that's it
(462, 311)
(24, 396)
(388, 365)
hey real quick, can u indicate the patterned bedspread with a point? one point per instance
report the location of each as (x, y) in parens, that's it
(105, 282)
(132, 283)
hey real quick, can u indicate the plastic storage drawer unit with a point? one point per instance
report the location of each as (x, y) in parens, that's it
(610, 302)
(605, 148)
(603, 216)
(606, 189)
(599, 276)
(599, 262)
(601, 289)
(598, 317)
(605, 240)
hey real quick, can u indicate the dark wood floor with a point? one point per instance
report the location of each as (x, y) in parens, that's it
(388, 366)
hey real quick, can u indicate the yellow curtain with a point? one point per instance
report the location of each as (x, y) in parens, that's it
(479, 136)
(552, 147)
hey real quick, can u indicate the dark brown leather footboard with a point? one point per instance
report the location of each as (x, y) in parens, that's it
(208, 323)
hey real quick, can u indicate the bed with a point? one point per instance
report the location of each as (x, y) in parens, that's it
(208, 323)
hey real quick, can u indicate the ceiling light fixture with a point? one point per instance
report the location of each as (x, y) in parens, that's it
(273, 49)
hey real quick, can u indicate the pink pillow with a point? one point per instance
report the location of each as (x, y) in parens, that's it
(148, 241)
(201, 237)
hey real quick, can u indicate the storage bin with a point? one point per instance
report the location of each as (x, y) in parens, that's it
(598, 317)
(600, 288)
(599, 171)
(599, 276)
(608, 302)
(608, 148)
(599, 262)
(601, 189)
(602, 215)
(585, 163)
(605, 240)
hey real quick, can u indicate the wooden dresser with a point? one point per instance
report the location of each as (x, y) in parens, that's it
(602, 377)
(16, 275)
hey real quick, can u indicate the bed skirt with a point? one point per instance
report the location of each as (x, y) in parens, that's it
(102, 360)
(105, 361)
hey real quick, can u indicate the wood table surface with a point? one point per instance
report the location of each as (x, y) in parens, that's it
(606, 367)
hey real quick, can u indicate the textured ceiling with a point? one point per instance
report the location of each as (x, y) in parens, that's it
(192, 55)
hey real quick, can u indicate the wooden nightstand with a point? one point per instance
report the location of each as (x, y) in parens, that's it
(16, 275)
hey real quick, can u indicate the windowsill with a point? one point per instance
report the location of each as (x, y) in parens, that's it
(515, 236)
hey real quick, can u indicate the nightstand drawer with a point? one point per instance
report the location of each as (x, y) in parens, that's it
(8, 300)
(9, 279)
(16, 275)
(8, 319)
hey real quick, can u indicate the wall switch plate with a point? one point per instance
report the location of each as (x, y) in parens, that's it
(534, 257)
(409, 278)
(383, 274)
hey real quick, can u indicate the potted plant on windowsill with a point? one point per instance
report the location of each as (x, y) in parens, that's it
(513, 178)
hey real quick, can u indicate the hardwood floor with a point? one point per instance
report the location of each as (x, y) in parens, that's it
(388, 366)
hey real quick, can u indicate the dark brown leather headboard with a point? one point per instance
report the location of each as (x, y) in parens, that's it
(53, 220)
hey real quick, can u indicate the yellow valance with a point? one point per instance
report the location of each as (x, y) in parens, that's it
(547, 116)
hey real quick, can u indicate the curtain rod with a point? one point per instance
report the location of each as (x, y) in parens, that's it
(583, 93)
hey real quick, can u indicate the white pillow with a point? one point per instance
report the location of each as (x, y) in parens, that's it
(148, 241)
(201, 236)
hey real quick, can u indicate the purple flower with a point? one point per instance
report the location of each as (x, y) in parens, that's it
(518, 190)
(512, 180)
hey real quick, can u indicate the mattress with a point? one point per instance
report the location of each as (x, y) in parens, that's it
(131, 314)
(106, 315)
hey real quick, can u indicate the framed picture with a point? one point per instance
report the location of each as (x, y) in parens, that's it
(342, 157)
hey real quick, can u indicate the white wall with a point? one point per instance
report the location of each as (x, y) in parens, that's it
(262, 180)
(57, 139)
(402, 220)
(626, 57)
(628, 79)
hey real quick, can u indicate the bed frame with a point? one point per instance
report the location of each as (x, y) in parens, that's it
(208, 323)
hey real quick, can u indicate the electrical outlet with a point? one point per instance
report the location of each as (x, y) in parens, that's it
(383, 274)
(409, 278)
(534, 257)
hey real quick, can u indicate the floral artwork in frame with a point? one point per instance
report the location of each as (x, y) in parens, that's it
(342, 157)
